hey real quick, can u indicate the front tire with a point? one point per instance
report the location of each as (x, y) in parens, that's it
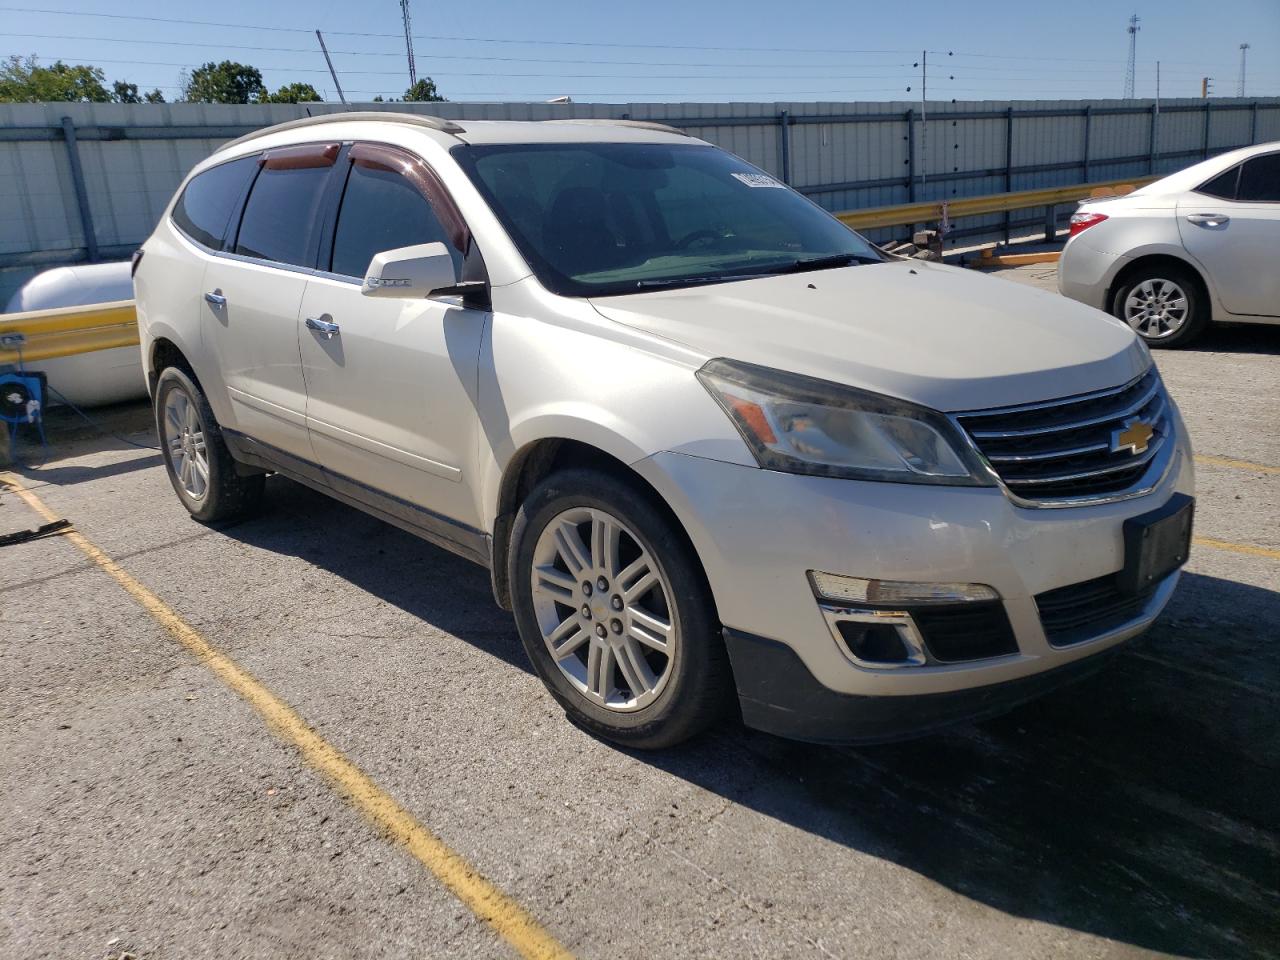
(614, 611)
(1164, 305)
(200, 466)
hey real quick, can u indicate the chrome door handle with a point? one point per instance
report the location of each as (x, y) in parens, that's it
(216, 298)
(326, 328)
(1209, 219)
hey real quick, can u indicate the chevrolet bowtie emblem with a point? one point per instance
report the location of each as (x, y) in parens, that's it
(1134, 436)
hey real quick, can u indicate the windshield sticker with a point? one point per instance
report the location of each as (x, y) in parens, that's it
(757, 180)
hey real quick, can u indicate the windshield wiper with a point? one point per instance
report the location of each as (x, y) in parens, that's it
(796, 266)
(694, 281)
(826, 263)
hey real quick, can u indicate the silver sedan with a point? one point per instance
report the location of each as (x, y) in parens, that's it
(1199, 246)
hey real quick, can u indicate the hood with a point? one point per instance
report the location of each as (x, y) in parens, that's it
(948, 338)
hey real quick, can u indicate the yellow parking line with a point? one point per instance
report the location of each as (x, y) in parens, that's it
(1248, 548)
(510, 920)
(1237, 464)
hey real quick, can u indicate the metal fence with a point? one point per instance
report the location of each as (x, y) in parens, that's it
(83, 182)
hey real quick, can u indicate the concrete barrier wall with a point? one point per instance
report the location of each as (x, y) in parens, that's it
(844, 155)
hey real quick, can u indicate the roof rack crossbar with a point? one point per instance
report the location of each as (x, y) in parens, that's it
(391, 116)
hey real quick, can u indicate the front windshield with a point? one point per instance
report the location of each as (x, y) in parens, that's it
(595, 219)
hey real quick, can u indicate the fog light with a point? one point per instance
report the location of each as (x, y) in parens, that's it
(874, 642)
(831, 586)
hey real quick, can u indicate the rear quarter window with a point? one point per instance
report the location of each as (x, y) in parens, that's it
(1222, 186)
(205, 207)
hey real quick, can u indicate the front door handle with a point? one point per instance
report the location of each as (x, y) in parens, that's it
(216, 298)
(1209, 219)
(326, 328)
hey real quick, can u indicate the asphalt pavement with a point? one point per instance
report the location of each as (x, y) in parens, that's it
(148, 809)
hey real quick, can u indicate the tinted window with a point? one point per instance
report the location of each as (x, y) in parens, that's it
(206, 204)
(1260, 178)
(381, 210)
(1223, 185)
(279, 214)
(599, 218)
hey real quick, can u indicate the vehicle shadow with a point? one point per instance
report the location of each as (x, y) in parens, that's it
(1259, 338)
(1139, 805)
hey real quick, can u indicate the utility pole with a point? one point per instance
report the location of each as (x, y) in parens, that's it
(1155, 121)
(408, 41)
(924, 117)
(1133, 57)
(1244, 50)
(333, 73)
(1206, 86)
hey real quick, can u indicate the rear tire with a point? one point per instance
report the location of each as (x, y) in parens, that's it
(603, 575)
(200, 466)
(1164, 305)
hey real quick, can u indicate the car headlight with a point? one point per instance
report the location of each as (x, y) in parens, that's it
(800, 424)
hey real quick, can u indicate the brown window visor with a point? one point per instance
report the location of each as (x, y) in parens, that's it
(304, 157)
(376, 156)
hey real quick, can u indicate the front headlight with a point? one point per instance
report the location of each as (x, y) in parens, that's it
(800, 424)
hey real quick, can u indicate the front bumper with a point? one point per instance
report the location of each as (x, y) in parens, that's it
(777, 694)
(757, 532)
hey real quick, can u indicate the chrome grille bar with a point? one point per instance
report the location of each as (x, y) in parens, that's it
(1066, 451)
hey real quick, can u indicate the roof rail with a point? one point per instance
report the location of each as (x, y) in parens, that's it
(639, 124)
(388, 116)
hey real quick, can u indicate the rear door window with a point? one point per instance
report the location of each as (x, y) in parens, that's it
(205, 207)
(280, 215)
(1260, 179)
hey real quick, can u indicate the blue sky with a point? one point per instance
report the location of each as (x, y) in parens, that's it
(662, 50)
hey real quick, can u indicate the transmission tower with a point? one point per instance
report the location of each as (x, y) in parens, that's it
(1133, 57)
(1244, 50)
(408, 41)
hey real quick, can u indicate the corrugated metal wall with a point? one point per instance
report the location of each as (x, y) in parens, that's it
(865, 155)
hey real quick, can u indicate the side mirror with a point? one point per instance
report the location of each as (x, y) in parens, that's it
(417, 271)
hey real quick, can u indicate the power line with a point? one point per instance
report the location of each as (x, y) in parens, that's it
(992, 81)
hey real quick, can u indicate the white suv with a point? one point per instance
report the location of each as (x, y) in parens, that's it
(714, 448)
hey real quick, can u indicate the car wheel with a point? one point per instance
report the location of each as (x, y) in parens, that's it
(201, 468)
(1164, 306)
(614, 612)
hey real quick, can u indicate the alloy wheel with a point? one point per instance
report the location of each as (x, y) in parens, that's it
(185, 440)
(1156, 308)
(604, 609)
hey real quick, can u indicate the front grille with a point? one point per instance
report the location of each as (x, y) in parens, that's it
(965, 631)
(1082, 611)
(1063, 449)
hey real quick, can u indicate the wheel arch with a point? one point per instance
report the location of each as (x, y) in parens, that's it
(540, 458)
(1164, 258)
(164, 352)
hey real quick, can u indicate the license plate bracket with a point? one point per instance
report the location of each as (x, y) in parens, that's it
(1156, 544)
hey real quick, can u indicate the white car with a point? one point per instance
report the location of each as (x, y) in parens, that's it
(1199, 246)
(717, 452)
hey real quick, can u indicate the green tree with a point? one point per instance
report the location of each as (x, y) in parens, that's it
(23, 80)
(424, 91)
(295, 93)
(225, 82)
(125, 92)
